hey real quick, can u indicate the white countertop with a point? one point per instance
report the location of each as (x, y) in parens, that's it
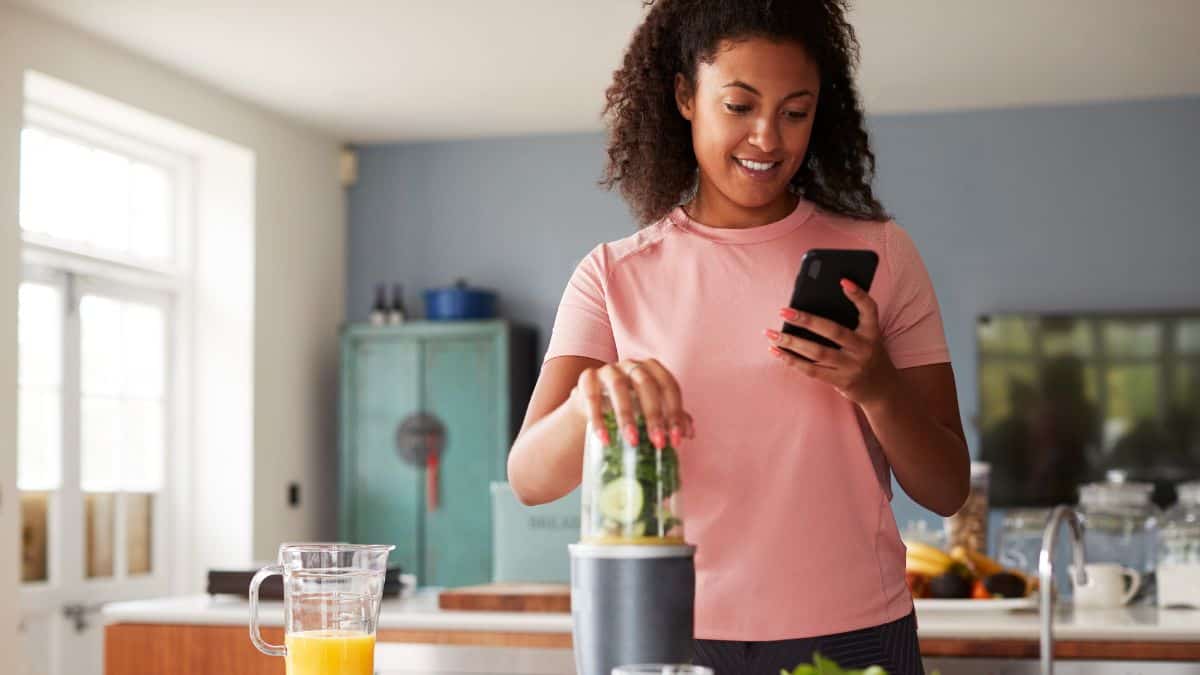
(421, 612)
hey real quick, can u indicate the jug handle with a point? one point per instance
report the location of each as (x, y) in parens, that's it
(255, 635)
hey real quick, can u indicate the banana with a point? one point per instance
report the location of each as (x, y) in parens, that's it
(979, 564)
(983, 565)
(927, 552)
(914, 563)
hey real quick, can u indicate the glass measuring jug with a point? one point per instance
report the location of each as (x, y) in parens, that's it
(331, 600)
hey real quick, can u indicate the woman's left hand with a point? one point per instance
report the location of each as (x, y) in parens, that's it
(861, 370)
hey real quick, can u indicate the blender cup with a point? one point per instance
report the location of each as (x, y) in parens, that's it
(633, 579)
(331, 600)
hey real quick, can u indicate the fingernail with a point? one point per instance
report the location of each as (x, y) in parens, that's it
(773, 334)
(602, 434)
(631, 433)
(847, 284)
(775, 350)
(789, 313)
(658, 438)
(676, 436)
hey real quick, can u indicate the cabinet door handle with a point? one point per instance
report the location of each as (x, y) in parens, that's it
(421, 442)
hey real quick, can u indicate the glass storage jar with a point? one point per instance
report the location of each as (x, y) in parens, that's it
(1020, 541)
(969, 526)
(1178, 571)
(1120, 526)
(630, 493)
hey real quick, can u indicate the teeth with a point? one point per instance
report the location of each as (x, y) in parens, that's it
(756, 166)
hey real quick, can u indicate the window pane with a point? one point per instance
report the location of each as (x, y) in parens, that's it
(109, 217)
(33, 215)
(99, 520)
(101, 417)
(1125, 337)
(142, 460)
(1007, 389)
(102, 350)
(65, 189)
(1189, 336)
(39, 320)
(35, 507)
(88, 195)
(143, 339)
(1005, 335)
(39, 440)
(151, 218)
(1066, 336)
(139, 532)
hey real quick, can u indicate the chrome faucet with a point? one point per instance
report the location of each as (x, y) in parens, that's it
(1046, 575)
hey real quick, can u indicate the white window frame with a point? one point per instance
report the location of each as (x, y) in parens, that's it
(75, 268)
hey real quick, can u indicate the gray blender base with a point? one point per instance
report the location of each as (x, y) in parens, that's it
(631, 604)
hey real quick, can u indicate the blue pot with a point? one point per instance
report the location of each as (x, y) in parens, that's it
(459, 302)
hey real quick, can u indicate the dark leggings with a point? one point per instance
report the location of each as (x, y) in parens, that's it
(892, 646)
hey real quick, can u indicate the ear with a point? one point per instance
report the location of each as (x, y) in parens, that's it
(684, 99)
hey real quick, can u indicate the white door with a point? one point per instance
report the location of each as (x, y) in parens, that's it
(93, 436)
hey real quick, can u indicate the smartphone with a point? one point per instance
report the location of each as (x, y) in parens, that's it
(818, 288)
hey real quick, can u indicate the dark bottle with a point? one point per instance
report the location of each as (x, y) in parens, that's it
(379, 311)
(396, 313)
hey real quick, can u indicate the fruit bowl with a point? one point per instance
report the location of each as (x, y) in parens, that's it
(964, 580)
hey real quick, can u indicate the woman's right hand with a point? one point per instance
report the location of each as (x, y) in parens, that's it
(657, 393)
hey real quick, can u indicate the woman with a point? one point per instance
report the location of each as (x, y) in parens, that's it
(738, 140)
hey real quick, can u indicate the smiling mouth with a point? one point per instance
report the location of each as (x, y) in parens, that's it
(757, 166)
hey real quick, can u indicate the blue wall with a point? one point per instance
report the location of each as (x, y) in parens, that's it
(1091, 206)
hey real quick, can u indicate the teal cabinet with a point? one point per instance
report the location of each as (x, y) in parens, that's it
(458, 386)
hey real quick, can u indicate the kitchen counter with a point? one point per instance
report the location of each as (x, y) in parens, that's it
(421, 612)
(414, 629)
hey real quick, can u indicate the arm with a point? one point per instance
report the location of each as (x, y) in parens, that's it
(913, 412)
(546, 460)
(917, 422)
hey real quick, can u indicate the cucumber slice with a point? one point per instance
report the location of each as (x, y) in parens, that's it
(622, 500)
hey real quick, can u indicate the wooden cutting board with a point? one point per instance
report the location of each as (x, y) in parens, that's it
(510, 597)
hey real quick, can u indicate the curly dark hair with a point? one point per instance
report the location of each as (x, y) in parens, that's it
(650, 154)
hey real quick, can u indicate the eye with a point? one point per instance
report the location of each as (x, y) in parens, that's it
(795, 114)
(737, 109)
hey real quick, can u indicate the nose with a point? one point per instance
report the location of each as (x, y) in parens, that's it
(765, 133)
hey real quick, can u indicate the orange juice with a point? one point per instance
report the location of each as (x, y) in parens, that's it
(330, 652)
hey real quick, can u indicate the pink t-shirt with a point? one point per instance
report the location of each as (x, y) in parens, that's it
(786, 493)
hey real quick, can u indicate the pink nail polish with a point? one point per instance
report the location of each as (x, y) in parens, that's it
(788, 313)
(658, 438)
(773, 334)
(676, 437)
(631, 434)
(602, 434)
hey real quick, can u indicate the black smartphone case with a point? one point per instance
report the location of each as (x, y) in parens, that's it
(818, 288)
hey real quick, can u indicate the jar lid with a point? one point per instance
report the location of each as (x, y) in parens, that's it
(1120, 494)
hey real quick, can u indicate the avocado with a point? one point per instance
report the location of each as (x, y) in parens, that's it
(1005, 584)
(949, 585)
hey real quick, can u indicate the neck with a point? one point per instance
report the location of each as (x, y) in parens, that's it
(714, 209)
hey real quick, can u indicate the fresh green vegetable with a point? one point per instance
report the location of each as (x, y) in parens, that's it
(824, 666)
(622, 500)
(636, 487)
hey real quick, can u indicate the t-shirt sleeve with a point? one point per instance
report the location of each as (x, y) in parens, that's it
(912, 322)
(582, 327)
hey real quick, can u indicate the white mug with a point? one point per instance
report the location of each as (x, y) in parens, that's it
(1108, 585)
